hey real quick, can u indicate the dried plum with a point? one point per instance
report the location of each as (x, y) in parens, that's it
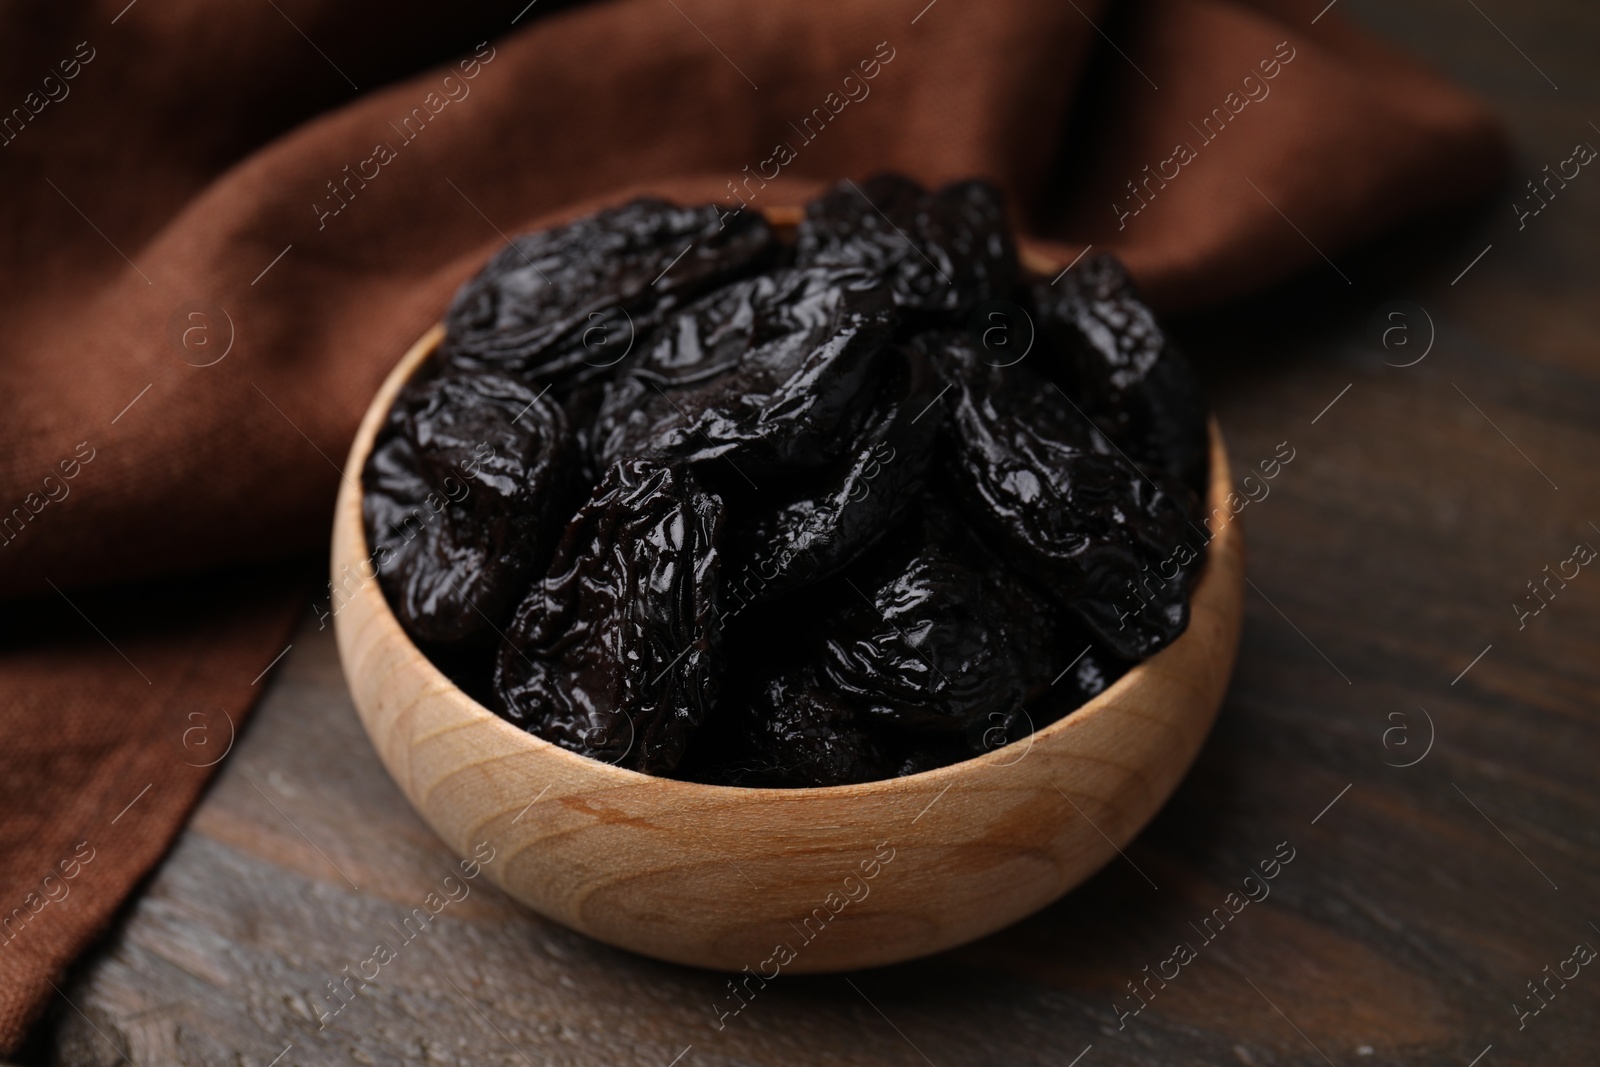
(767, 373)
(1087, 524)
(1118, 363)
(937, 638)
(796, 539)
(942, 253)
(653, 420)
(457, 499)
(792, 732)
(931, 755)
(615, 653)
(549, 306)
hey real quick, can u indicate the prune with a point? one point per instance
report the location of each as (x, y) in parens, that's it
(1091, 527)
(936, 638)
(456, 500)
(615, 653)
(1081, 676)
(647, 423)
(792, 732)
(930, 755)
(1089, 674)
(1141, 392)
(548, 306)
(1067, 670)
(796, 539)
(768, 373)
(942, 253)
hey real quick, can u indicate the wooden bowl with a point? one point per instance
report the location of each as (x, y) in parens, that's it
(797, 880)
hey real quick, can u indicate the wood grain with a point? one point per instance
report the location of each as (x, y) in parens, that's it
(752, 879)
(1392, 545)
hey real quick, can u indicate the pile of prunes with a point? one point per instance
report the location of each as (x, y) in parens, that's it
(692, 497)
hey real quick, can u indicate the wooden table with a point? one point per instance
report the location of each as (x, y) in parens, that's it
(1380, 631)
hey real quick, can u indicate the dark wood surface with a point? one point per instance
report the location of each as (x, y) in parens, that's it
(1385, 561)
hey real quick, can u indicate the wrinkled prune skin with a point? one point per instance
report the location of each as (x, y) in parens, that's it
(457, 500)
(547, 307)
(1090, 673)
(1081, 669)
(938, 638)
(931, 755)
(1119, 365)
(1087, 524)
(794, 540)
(942, 253)
(686, 498)
(793, 733)
(769, 374)
(615, 654)
(1076, 671)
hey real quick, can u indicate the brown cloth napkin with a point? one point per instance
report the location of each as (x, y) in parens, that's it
(222, 227)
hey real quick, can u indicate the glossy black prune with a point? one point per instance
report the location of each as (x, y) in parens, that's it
(1120, 367)
(790, 731)
(930, 755)
(793, 539)
(1078, 671)
(615, 653)
(767, 373)
(934, 637)
(942, 253)
(550, 307)
(825, 532)
(1082, 520)
(457, 500)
